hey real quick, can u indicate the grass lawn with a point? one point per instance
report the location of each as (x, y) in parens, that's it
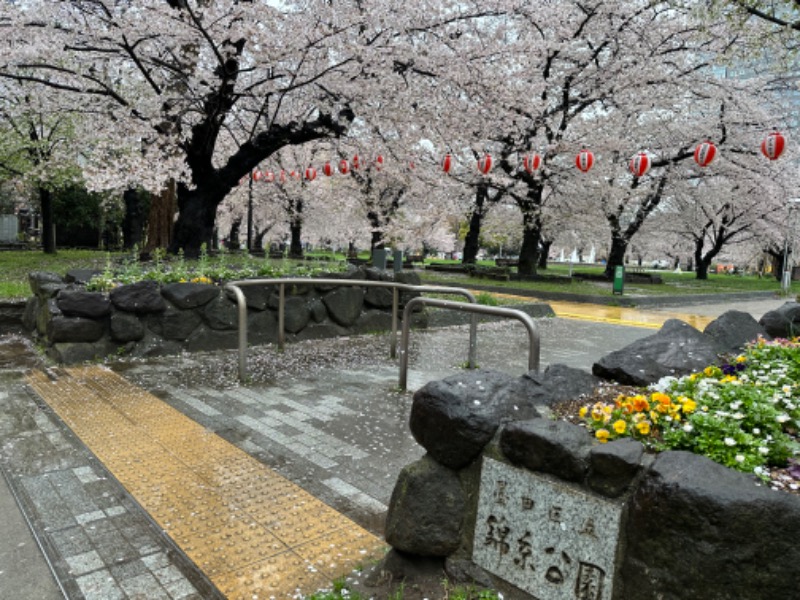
(15, 266)
(673, 283)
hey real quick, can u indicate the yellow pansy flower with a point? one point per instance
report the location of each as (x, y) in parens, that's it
(620, 426)
(602, 435)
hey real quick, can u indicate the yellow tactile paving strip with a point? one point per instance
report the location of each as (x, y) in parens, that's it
(254, 534)
(618, 315)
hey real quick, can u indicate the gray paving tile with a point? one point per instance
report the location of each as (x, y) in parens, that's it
(144, 586)
(100, 585)
(87, 562)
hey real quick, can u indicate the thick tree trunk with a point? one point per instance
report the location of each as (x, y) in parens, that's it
(296, 242)
(160, 232)
(702, 262)
(195, 224)
(376, 241)
(472, 239)
(616, 255)
(233, 242)
(544, 253)
(133, 222)
(296, 231)
(529, 253)
(48, 229)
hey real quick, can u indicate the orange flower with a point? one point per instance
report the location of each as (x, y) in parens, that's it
(640, 403)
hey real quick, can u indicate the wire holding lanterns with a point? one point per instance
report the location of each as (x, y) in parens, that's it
(773, 145)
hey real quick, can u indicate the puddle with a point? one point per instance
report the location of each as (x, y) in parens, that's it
(17, 352)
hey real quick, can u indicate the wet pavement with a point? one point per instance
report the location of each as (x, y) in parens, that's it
(326, 416)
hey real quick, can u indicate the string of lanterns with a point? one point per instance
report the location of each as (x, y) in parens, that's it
(705, 152)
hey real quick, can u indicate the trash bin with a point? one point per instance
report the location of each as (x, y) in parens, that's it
(619, 280)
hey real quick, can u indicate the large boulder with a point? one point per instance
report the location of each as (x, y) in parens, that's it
(140, 298)
(44, 283)
(548, 446)
(614, 466)
(296, 314)
(691, 530)
(557, 383)
(344, 304)
(189, 295)
(783, 322)
(677, 349)
(426, 511)
(454, 418)
(734, 329)
(126, 327)
(221, 314)
(74, 329)
(80, 303)
(175, 324)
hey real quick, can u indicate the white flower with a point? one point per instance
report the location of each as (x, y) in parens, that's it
(739, 458)
(758, 470)
(730, 442)
(756, 431)
(783, 418)
(688, 427)
(763, 450)
(787, 389)
(738, 416)
(736, 405)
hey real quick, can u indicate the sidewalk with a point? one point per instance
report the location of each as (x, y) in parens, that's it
(325, 415)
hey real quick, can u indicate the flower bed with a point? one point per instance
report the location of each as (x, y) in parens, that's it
(744, 414)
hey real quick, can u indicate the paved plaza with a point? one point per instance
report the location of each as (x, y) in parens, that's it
(323, 418)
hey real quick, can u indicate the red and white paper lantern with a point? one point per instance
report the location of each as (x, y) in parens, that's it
(258, 175)
(379, 162)
(356, 162)
(311, 174)
(447, 163)
(269, 176)
(327, 168)
(282, 176)
(344, 167)
(704, 153)
(584, 160)
(485, 164)
(773, 145)
(532, 162)
(640, 164)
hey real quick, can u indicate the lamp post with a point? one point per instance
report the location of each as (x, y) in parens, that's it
(786, 279)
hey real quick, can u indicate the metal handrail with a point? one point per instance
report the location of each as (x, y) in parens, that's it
(241, 304)
(534, 346)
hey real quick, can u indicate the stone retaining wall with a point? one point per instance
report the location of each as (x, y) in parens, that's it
(514, 500)
(147, 319)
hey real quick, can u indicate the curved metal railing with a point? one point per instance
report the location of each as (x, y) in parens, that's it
(534, 345)
(241, 303)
